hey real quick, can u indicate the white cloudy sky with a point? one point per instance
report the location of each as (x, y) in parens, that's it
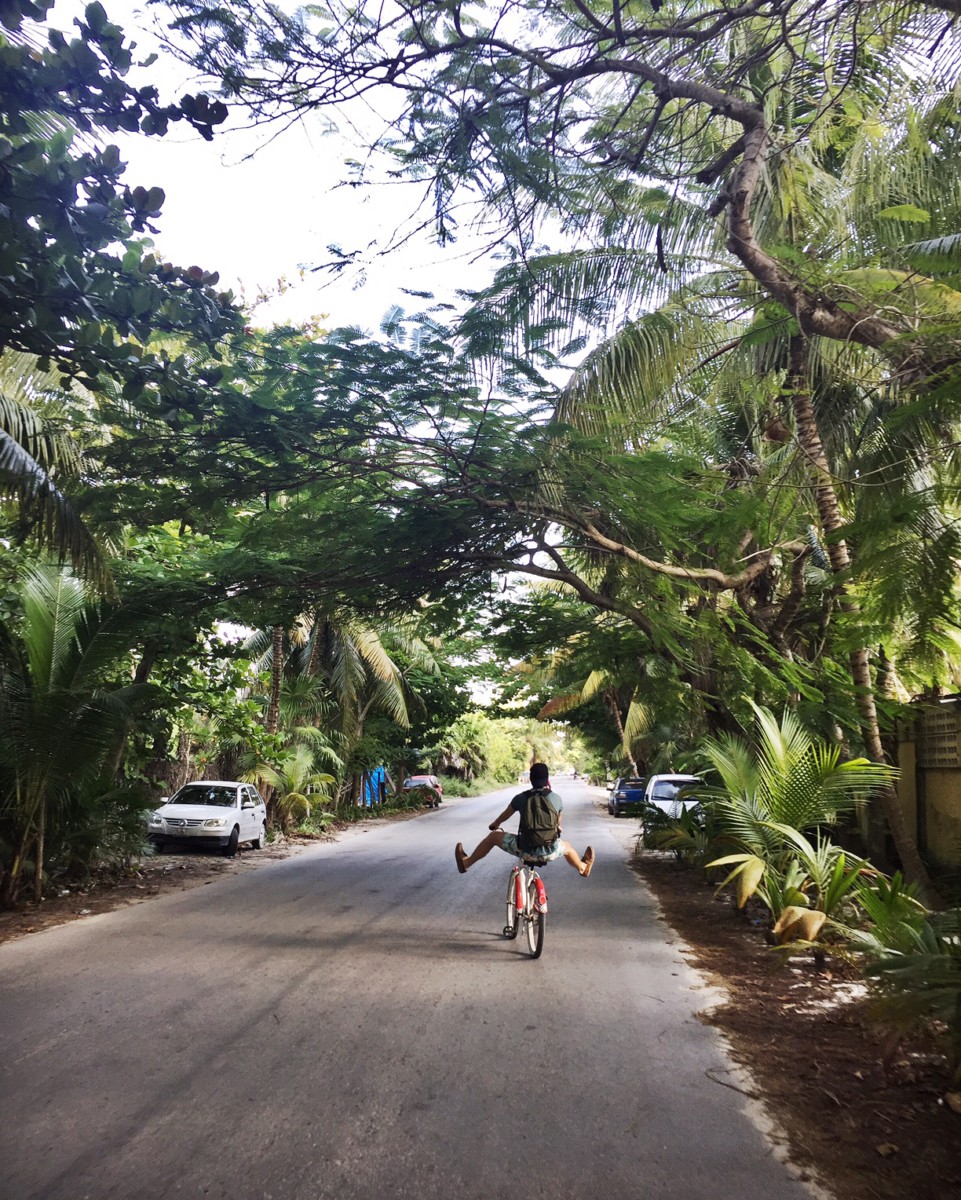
(255, 219)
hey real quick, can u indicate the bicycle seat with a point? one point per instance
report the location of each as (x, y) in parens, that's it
(534, 862)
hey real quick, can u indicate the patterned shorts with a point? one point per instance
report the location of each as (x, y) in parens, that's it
(543, 855)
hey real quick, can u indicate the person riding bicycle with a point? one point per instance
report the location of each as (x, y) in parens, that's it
(518, 843)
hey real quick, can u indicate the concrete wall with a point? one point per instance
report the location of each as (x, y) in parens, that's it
(942, 816)
(929, 755)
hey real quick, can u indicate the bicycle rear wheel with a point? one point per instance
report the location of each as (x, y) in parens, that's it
(536, 921)
(511, 929)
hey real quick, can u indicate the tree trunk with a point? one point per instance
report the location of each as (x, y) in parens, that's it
(11, 882)
(141, 675)
(809, 439)
(38, 853)
(272, 723)
(276, 679)
(610, 699)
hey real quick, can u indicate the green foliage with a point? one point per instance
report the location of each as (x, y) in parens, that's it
(772, 792)
(297, 785)
(890, 916)
(788, 776)
(921, 981)
(818, 874)
(500, 749)
(424, 796)
(80, 288)
(62, 719)
(96, 825)
(691, 837)
(37, 459)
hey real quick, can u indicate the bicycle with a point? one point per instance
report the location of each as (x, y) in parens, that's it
(527, 904)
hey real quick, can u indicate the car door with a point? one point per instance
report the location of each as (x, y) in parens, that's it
(250, 819)
(260, 812)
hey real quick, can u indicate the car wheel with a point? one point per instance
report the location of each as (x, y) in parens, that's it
(160, 846)
(259, 842)
(231, 848)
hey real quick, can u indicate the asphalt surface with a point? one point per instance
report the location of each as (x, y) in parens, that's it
(350, 1023)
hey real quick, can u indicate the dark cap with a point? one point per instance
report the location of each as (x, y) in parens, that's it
(540, 774)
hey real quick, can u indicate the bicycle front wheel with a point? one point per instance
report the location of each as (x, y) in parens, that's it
(511, 929)
(535, 922)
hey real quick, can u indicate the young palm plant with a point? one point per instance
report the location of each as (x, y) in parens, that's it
(297, 783)
(37, 459)
(789, 782)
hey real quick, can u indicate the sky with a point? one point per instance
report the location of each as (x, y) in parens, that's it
(258, 210)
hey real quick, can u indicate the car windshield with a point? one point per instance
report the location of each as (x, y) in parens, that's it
(218, 797)
(632, 783)
(669, 791)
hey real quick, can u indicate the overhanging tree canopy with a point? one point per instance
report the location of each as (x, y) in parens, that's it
(569, 108)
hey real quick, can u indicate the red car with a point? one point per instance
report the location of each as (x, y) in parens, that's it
(426, 781)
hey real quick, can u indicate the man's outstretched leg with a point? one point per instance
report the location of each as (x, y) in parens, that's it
(581, 865)
(465, 860)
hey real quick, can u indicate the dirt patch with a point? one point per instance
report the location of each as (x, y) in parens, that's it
(863, 1131)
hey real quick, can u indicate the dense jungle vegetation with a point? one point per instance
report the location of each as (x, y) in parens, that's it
(703, 417)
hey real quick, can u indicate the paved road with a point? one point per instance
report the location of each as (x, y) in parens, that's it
(349, 1023)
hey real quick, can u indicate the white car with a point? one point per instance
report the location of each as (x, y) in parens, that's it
(212, 812)
(670, 793)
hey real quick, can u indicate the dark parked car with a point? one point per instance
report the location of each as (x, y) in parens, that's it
(626, 795)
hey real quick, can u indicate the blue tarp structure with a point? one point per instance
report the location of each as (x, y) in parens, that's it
(373, 787)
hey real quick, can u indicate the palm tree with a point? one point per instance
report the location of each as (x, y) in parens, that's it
(35, 456)
(293, 774)
(335, 669)
(60, 717)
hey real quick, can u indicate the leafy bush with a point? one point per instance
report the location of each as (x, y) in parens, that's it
(690, 836)
(790, 781)
(474, 787)
(920, 983)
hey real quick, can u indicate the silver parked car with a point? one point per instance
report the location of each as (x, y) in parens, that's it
(213, 812)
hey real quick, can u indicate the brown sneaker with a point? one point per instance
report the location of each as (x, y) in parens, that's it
(588, 861)
(459, 855)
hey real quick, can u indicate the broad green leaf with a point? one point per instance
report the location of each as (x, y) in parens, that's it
(904, 212)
